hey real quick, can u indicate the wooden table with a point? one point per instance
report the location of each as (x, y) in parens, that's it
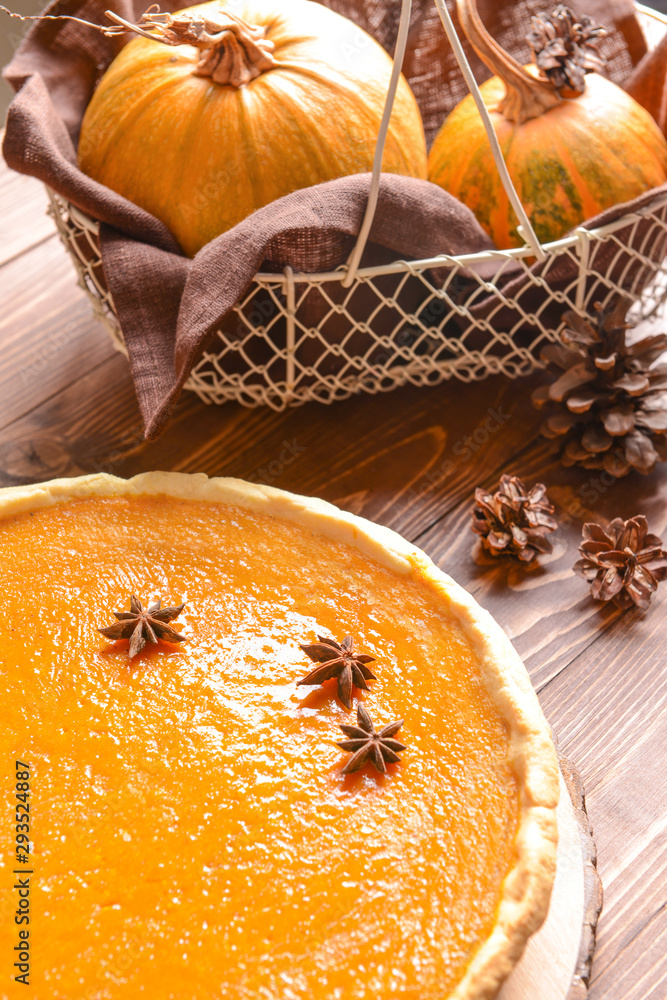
(409, 460)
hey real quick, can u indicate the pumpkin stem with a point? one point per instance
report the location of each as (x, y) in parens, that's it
(526, 96)
(231, 52)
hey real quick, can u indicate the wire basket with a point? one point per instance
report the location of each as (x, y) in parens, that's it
(298, 337)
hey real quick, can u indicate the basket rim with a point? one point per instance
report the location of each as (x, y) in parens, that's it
(577, 238)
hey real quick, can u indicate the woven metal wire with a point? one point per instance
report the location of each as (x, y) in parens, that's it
(300, 337)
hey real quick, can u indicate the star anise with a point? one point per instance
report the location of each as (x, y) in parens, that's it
(369, 747)
(623, 563)
(338, 659)
(139, 625)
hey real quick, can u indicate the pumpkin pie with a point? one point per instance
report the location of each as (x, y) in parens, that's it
(193, 832)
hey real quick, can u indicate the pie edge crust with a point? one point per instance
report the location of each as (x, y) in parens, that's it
(527, 887)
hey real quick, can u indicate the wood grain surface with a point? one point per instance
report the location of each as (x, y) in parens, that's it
(410, 460)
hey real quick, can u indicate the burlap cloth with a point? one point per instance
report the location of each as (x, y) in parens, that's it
(169, 305)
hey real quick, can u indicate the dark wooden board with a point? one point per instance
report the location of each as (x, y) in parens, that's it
(23, 220)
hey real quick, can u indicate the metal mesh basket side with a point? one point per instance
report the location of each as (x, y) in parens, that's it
(296, 337)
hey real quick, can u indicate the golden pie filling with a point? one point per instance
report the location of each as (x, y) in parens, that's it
(192, 833)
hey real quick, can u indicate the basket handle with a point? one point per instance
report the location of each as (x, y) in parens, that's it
(525, 226)
(371, 205)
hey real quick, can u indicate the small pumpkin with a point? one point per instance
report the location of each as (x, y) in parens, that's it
(242, 103)
(574, 146)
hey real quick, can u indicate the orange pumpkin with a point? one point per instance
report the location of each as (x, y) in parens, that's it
(569, 157)
(270, 97)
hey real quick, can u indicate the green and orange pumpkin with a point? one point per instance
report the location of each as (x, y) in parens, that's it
(571, 151)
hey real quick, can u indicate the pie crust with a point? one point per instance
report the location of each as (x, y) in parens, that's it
(527, 887)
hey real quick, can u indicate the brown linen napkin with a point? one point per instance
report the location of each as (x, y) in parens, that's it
(168, 306)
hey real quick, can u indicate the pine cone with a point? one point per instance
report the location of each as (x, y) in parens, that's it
(564, 49)
(614, 415)
(623, 563)
(514, 521)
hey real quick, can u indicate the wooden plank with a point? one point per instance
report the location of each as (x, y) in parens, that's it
(609, 707)
(49, 336)
(403, 470)
(23, 219)
(46, 442)
(547, 611)
(400, 460)
(638, 972)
